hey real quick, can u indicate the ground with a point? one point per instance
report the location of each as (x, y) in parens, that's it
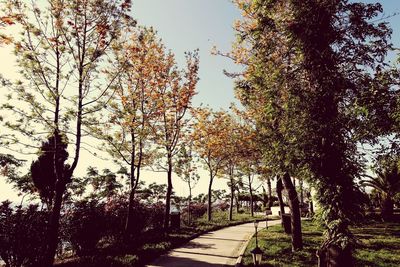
(378, 245)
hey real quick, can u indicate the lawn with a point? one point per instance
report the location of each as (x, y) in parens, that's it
(378, 246)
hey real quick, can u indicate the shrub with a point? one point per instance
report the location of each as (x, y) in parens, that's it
(222, 205)
(156, 215)
(197, 210)
(22, 235)
(116, 210)
(86, 225)
(125, 260)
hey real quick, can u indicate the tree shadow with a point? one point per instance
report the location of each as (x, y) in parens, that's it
(193, 244)
(173, 261)
(225, 239)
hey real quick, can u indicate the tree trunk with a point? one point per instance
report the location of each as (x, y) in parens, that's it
(231, 200)
(311, 206)
(387, 208)
(301, 191)
(168, 196)
(297, 241)
(237, 201)
(190, 200)
(209, 211)
(129, 217)
(54, 224)
(279, 188)
(331, 255)
(251, 198)
(270, 201)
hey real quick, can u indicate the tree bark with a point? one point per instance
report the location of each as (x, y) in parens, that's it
(190, 200)
(270, 202)
(231, 200)
(387, 208)
(54, 224)
(129, 217)
(209, 211)
(301, 191)
(297, 241)
(251, 198)
(279, 188)
(168, 196)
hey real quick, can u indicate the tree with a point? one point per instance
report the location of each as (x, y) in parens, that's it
(173, 98)
(386, 182)
(6, 20)
(210, 131)
(22, 235)
(230, 166)
(297, 240)
(131, 114)
(60, 54)
(307, 62)
(266, 176)
(45, 169)
(187, 171)
(104, 184)
(9, 164)
(249, 155)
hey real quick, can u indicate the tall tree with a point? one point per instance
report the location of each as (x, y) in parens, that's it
(174, 98)
(127, 131)
(307, 64)
(386, 182)
(60, 52)
(210, 132)
(187, 171)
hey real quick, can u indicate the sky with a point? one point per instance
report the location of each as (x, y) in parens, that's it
(186, 25)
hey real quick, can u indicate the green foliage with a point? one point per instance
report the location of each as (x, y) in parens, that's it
(104, 185)
(386, 183)
(22, 235)
(315, 68)
(50, 167)
(85, 225)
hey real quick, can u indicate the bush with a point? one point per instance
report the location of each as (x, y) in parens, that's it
(22, 235)
(125, 260)
(86, 225)
(222, 206)
(116, 210)
(197, 210)
(156, 215)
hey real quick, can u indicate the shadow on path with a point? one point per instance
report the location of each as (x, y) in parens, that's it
(193, 244)
(225, 239)
(205, 254)
(187, 262)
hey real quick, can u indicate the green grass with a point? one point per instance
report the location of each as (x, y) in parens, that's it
(379, 246)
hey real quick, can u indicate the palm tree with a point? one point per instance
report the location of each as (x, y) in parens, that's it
(386, 183)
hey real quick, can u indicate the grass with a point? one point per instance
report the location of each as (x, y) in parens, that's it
(378, 246)
(156, 244)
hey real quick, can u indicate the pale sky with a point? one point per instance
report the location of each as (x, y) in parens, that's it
(185, 25)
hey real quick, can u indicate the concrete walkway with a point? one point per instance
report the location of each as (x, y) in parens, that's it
(218, 248)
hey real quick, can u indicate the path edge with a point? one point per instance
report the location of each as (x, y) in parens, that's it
(242, 250)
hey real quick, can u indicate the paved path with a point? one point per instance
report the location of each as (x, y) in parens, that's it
(218, 248)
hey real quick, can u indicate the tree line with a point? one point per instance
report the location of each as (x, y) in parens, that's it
(315, 88)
